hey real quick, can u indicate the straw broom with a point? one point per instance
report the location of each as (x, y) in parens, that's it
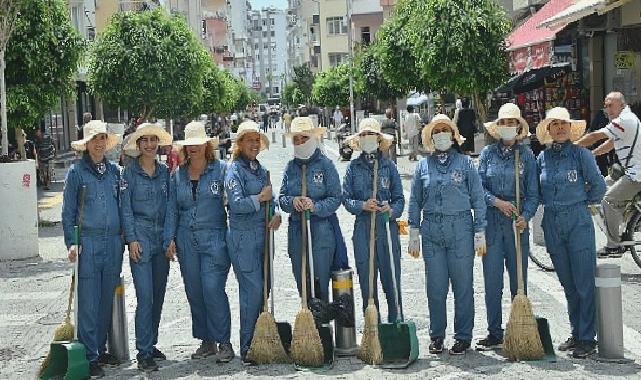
(266, 346)
(522, 340)
(307, 349)
(370, 350)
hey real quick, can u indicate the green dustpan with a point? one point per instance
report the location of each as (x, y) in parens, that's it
(68, 361)
(398, 340)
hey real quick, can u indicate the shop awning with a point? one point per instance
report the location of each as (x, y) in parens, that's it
(529, 33)
(416, 99)
(533, 79)
(581, 9)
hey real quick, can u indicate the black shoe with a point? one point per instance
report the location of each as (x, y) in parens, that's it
(436, 347)
(584, 349)
(225, 353)
(459, 347)
(108, 359)
(95, 370)
(206, 349)
(147, 365)
(157, 354)
(247, 361)
(489, 343)
(610, 252)
(569, 344)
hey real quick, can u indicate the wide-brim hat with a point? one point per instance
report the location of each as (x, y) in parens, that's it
(559, 113)
(91, 130)
(248, 127)
(370, 125)
(426, 135)
(508, 111)
(195, 134)
(146, 129)
(304, 125)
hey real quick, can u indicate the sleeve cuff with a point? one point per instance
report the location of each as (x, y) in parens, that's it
(254, 199)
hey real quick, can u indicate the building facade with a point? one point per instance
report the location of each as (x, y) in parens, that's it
(269, 48)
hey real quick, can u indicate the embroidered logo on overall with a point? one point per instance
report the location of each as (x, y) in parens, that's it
(123, 184)
(231, 184)
(385, 182)
(457, 176)
(521, 168)
(253, 165)
(215, 188)
(572, 175)
(318, 177)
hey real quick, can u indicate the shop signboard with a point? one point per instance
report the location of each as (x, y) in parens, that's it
(624, 60)
(531, 57)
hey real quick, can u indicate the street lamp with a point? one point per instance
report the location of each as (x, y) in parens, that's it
(350, 49)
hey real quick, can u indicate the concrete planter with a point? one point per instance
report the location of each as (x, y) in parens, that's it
(19, 210)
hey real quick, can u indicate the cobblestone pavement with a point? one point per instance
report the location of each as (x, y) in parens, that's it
(33, 300)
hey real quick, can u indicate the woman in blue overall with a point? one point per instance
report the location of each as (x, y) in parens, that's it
(91, 200)
(357, 198)
(447, 208)
(248, 190)
(144, 192)
(570, 182)
(195, 229)
(322, 200)
(496, 168)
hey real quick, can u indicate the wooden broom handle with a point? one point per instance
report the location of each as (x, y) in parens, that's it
(303, 250)
(372, 232)
(266, 250)
(517, 234)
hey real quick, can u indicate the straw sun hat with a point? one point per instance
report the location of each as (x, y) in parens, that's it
(370, 125)
(304, 125)
(146, 129)
(426, 135)
(508, 111)
(248, 127)
(559, 113)
(91, 130)
(195, 134)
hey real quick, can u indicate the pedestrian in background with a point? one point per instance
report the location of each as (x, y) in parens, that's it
(570, 182)
(447, 192)
(265, 120)
(144, 192)
(389, 127)
(358, 200)
(287, 121)
(337, 117)
(322, 199)
(412, 129)
(91, 200)
(497, 172)
(248, 190)
(195, 229)
(466, 123)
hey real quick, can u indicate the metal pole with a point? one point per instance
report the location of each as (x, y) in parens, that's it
(350, 48)
(609, 312)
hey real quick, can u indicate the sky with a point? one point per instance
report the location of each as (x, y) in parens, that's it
(258, 4)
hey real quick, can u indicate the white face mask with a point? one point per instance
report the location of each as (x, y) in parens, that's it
(305, 150)
(507, 133)
(369, 143)
(442, 141)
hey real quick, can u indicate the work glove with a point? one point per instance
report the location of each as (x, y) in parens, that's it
(479, 244)
(415, 242)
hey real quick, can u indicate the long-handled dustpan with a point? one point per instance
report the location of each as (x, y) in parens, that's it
(324, 329)
(398, 340)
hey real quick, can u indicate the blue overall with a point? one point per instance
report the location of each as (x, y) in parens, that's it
(324, 188)
(100, 259)
(496, 168)
(570, 181)
(357, 188)
(246, 239)
(143, 207)
(446, 193)
(198, 228)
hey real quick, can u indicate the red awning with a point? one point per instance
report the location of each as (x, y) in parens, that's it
(530, 34)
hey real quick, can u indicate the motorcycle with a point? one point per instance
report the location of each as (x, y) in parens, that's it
(343, 147)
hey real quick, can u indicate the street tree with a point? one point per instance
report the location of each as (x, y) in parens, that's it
(331, 87)
(213, 99)
(149, 63)
(40, 59)
(303, 78)
(292, 95)
(370, 81)
(8, 16)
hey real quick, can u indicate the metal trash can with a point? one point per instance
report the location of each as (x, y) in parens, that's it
(345, 337)
(609, 312)
(118, 340)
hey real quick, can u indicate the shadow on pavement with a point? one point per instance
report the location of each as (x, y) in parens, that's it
(33, 267)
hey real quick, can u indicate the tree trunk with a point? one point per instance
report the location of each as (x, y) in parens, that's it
(3, 106)
(20, 142)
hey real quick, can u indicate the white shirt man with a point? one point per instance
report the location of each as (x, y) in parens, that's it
(338, 117)
(412, 129)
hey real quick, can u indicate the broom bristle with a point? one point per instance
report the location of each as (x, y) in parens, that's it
(370, 350)
(522, 340)
(266, 346)
(307, 349)
(64, 331)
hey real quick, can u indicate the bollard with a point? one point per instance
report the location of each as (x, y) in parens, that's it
(609, 312)
(274, 136)
(118, 337)
(345, 337)
(284, 140)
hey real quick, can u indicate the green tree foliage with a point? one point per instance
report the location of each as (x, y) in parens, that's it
(41, 57)
(149, 63)
(331, 87)
(370, 81)
(303, 78)
(292, 95)
(213, 89)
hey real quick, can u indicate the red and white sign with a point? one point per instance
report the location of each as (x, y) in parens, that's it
(26, 180)
(531, 57)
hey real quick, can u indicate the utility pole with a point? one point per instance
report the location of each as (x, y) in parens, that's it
(350, 49)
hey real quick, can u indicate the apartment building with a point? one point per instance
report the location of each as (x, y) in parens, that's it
(269, 47)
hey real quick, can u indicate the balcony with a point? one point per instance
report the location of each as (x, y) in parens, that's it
(364, 7)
